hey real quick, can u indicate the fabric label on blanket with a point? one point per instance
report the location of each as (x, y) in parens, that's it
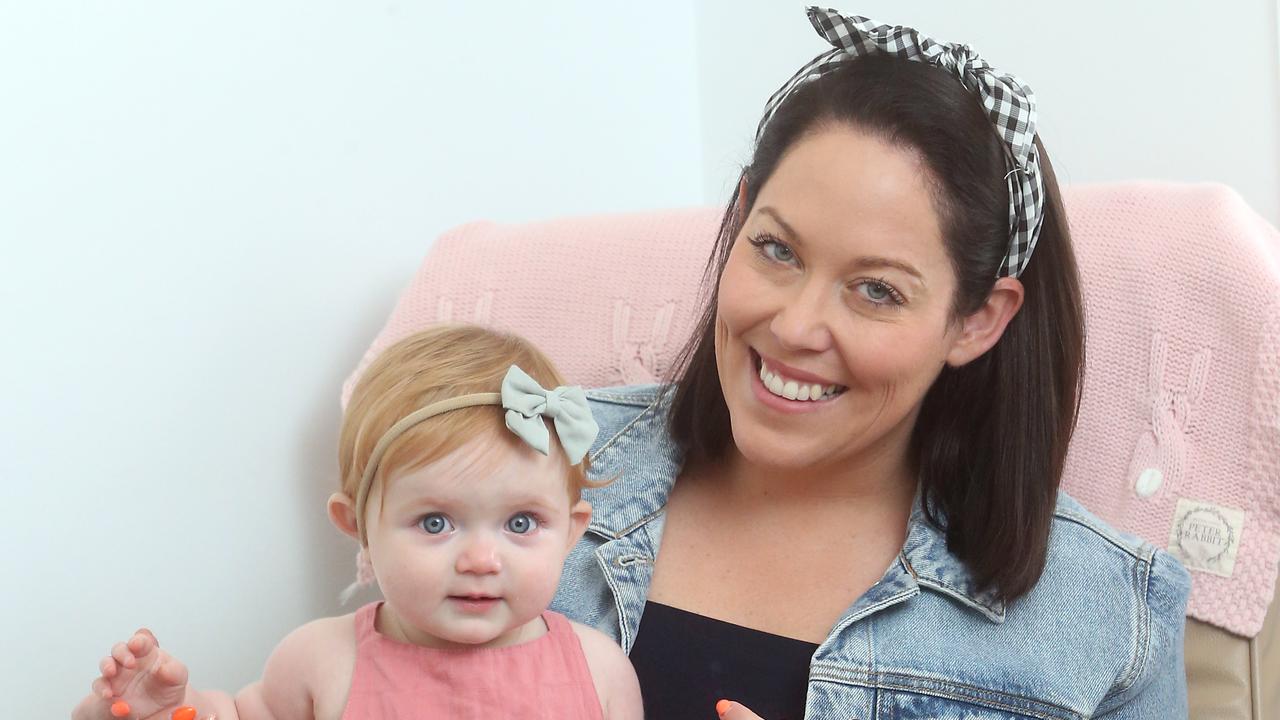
(1205, 537)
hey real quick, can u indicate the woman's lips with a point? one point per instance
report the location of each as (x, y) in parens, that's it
(783, 405)
(791, 384)
(789, 372)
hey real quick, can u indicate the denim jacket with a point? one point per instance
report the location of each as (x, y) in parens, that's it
(1100, 635)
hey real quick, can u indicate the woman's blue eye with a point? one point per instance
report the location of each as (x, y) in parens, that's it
(521, 523)
(779, 252)
(880, 293)
(435, 523)
(773, 249)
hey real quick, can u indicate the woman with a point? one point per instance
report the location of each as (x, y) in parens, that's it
(846, 505)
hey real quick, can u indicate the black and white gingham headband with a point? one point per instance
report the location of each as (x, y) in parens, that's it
(1010, 106)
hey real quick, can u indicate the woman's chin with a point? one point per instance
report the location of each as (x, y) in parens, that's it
(766, 448)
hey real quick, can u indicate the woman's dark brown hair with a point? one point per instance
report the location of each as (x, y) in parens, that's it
(991, 437)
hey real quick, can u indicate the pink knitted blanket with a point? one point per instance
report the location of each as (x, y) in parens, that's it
(1179, 434)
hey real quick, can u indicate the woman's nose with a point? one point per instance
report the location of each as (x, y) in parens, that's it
(479, 557)
(800, 321)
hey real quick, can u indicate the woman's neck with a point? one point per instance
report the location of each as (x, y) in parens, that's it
(875, 479)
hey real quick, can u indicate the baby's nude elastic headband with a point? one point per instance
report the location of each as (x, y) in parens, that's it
(1009, 104)
(527, 404)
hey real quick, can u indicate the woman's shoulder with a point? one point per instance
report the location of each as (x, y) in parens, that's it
(1083, 544)
(1108, 608)
(1115, 596)
(1111, 578)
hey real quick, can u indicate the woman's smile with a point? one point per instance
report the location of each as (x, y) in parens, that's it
(786, 389)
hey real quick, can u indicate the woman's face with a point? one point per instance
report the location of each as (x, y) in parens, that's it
(833, 310)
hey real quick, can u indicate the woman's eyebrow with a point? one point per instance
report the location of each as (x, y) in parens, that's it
(875, 261)
(864, 261)
(777, 217)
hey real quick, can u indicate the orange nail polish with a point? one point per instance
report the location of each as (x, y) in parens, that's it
(723, 706)
(186, 712)
(120, 709)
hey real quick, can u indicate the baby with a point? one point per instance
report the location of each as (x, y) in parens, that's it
(461, 480)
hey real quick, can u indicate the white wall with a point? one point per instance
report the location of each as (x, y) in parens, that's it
(1185, 90)
(206, 212)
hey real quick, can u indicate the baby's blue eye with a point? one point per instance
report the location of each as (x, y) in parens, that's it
(435, 523)
(521, 523)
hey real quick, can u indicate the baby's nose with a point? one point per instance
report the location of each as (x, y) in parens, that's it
(479, 557)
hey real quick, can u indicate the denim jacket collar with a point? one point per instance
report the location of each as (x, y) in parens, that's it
(630, 503)
(926, 557)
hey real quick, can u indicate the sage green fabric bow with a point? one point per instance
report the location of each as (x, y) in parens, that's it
(528, 403)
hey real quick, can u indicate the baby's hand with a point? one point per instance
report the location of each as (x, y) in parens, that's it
(139, 673)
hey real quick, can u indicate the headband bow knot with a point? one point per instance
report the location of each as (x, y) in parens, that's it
(1009, 104)
(527, 403)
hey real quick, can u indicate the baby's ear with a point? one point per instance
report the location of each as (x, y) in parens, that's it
(342, 513)
(579, 516)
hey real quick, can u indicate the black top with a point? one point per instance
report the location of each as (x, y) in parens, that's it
(686, 662)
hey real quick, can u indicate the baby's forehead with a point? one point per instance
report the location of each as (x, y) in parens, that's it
(475, 494)
(480, 469)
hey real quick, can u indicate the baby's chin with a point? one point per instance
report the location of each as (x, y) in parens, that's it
(464, 635)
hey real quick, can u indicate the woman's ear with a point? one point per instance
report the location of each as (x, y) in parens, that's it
(980, 331)
(342, 513)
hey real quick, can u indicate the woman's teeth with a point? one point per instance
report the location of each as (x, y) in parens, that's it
(793, 390)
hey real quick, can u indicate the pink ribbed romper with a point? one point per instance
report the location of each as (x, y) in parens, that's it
(543, 679)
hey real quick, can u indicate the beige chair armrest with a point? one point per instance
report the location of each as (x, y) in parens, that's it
(1234, 678)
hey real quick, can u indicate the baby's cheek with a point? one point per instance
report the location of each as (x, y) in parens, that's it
(539, 579)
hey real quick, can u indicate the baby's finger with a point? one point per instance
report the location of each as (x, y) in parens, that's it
(170, 671)
(123, 655)
(141, 643)
(148, 633)
(108, 667)
(102, 689)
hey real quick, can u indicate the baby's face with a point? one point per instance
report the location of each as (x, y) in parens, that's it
(468, 549)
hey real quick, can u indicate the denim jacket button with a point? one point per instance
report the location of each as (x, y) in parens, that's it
(625, 560)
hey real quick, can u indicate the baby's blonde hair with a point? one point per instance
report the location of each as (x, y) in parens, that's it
(443, 362)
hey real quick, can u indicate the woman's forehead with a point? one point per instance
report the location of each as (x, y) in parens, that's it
(855, 192)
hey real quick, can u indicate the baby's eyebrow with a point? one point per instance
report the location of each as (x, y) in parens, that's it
(529, 501)
(420, 502)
